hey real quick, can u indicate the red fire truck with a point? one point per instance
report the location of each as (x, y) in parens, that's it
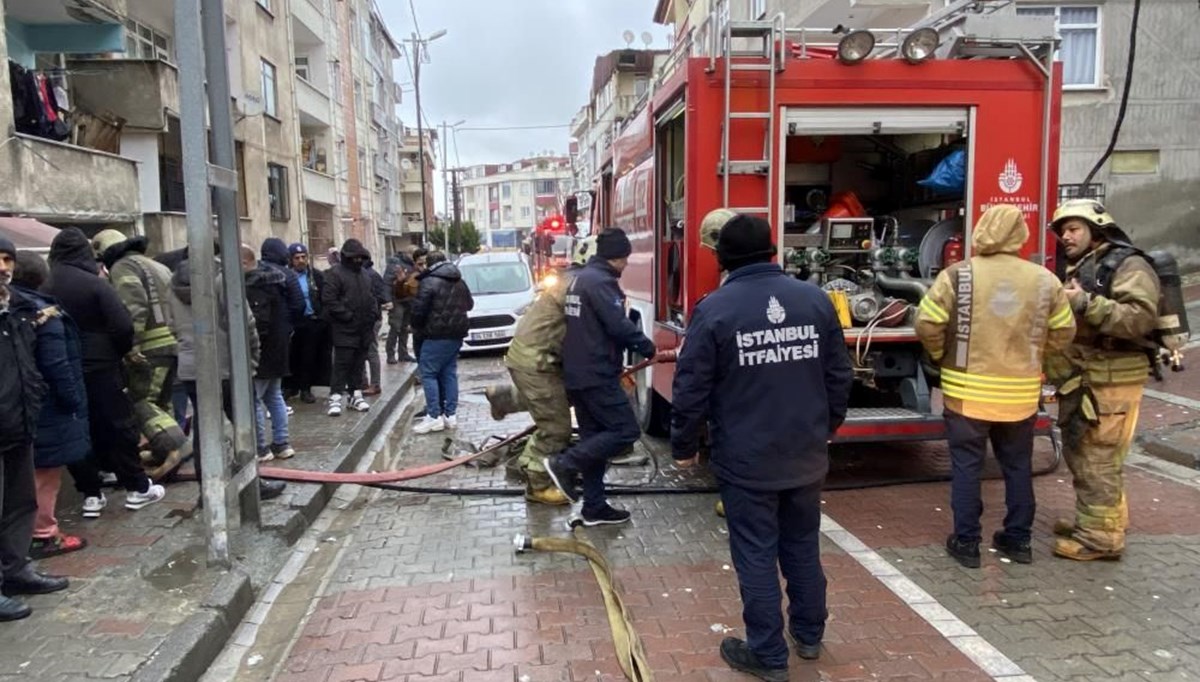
(831, 134)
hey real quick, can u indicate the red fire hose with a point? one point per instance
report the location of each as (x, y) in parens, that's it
(302, 476)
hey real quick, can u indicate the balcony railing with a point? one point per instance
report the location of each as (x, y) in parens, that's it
(140, 91)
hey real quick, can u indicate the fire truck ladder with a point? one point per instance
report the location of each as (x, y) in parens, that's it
(770, 59)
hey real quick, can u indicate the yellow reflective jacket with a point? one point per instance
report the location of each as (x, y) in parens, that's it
(1111, 327)
(990, 320)
(537, 343)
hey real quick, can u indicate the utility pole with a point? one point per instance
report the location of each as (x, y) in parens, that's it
(419, 47)
(456, 199)
(446, 127)
(200, 43)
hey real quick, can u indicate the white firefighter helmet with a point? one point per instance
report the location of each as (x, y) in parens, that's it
(584, 248)
(710, 227)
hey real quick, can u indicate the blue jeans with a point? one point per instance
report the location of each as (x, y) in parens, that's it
(269, 393)
(1012, 443)
(439, 376)
(772, 532)
(607, 426)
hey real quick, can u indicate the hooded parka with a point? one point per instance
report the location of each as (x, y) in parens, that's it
(989, 320)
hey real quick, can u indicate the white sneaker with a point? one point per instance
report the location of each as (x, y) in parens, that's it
(451, 421)
(429, 425)
(291, 410)
(335, 406)
(92, 506)
(357, 403)
(137, 501)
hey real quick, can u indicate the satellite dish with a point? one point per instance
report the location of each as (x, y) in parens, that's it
(647, 38)
(406, 164)
(628, 36)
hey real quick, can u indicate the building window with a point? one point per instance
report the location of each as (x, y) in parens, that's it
(506, 191)
(640, 86)
(524, 189)
(547, 187)
(143, 42)
(525, 213)
(358, 98)
(508, 214)
(335, 78)
(1078, 28)
(270, 91)
(277, 191)
(494, 217)
(302, 68)
(362, 167)
(758, 9)
(265, 4)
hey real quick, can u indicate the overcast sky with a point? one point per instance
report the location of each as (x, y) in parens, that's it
(511, 63)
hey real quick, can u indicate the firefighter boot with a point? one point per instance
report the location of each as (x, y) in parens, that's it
(1069, 548)
(720, 508)
(540, 489)
(1064, 528)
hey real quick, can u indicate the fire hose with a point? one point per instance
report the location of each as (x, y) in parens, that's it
(631, 656)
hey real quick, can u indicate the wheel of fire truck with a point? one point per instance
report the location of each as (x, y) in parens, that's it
(653, 412)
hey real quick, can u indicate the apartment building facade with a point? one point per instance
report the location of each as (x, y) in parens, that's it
(317, 137)
(413, 155)
(1153, 178)
(506, 201)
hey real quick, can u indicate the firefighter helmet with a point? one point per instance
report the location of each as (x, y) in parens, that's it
(710, 228)
(1088, 210)
(584, 249)
(106, 238)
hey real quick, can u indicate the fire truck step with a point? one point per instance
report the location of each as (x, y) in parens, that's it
(751, 210)
(749, 167)
(754, 115)
(750, 29)
(738, 66)
(859, 414)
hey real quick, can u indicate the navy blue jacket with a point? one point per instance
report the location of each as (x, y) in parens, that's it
(62, 428)
(598, 330)
(275, 254)
(764, 363)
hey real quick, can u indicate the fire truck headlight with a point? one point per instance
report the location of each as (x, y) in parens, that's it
(855, 46)
(919, 45)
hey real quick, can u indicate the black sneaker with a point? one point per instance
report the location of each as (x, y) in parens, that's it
(739, 657)
(965, 553)
(564, 479)
(1020, 552)
(307, 397)
(608, 516)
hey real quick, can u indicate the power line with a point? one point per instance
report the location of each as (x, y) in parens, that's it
(530, 127)
(413, 8)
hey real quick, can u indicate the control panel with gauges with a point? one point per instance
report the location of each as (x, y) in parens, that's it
(849, 235)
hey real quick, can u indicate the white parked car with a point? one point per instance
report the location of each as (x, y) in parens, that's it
(502, 285)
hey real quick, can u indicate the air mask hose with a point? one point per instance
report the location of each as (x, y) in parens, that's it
(630, 653)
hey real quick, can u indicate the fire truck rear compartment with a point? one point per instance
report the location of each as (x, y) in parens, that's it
(857, 223)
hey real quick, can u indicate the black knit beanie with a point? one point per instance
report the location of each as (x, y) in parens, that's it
(613, 244)
(744, 240)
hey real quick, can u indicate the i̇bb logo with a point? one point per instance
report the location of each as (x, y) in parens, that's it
(1010, 178)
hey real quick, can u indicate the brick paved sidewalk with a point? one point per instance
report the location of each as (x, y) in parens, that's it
(141, 585)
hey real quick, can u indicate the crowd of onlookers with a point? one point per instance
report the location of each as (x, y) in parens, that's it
(98, 367)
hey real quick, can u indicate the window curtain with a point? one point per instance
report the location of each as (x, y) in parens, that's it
(1077, 52)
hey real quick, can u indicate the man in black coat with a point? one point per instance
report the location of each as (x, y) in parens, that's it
(21, 393)
(440, 315)
(106, 333)
(352, 309)
(598, 334)
(310, 350)
(266, 294)
(765, 367)
(275, 255)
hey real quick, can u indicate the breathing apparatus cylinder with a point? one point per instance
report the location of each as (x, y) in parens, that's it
(1172, 331)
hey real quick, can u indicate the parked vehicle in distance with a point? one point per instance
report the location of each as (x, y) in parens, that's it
(503, 288)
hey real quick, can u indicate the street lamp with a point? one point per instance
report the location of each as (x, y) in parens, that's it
(445, 185)
(418, 45)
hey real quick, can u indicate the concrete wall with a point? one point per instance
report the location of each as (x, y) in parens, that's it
(1159, 209)
(139, 91)
(63, 183)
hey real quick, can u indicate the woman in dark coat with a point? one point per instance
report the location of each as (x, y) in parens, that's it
(62, 434)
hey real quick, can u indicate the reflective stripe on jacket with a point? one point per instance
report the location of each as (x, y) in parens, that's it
(989, 321)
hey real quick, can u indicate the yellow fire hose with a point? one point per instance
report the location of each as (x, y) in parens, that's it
(630, 654)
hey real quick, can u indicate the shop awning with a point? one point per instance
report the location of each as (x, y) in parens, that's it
(27, 233)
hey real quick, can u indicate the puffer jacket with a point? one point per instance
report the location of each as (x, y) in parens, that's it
(266, 292)
(62, 428)
(989, 321)
(537, 343)
(348, 300)
(181, 307)
(1112, 325)
(275, 255)
(143, 284)
(22, 388)
(105, 327)
(442, 303)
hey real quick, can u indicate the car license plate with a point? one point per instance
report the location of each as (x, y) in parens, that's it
(488, 336)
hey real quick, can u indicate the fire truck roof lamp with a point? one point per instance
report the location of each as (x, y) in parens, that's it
(855, 46)
(919, 45)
